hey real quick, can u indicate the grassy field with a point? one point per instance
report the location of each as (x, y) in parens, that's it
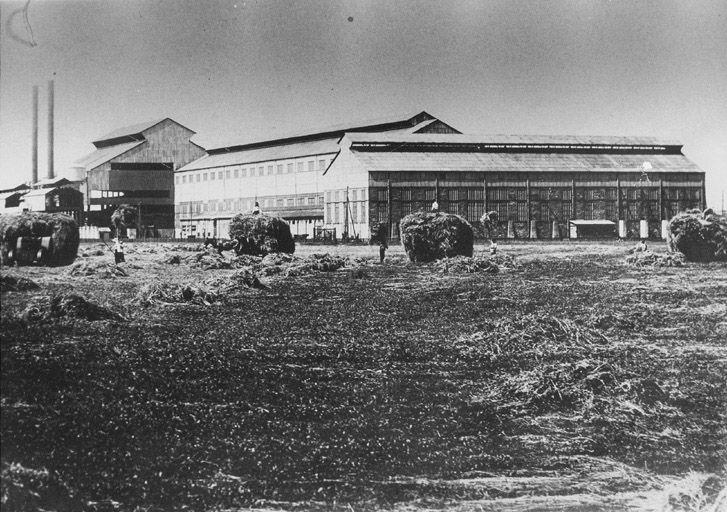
(566, 381)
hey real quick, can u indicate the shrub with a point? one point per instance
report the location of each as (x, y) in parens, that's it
(62, 230)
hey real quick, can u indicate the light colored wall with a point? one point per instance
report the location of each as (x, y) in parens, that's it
(346, 177)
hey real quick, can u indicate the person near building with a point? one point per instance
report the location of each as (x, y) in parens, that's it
(435, 206)
(493, 247)
(256, 209)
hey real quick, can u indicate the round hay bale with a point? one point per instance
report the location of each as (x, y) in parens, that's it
(259, 235)
(62, 230)
(429, 236)
(700, 236)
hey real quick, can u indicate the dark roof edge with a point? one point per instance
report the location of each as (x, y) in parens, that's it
(121, 139)
(337, 134)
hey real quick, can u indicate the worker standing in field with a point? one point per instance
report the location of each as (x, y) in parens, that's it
(381, 236)
(493, 247)
(435, 206)
(118, 250)
(256, 210)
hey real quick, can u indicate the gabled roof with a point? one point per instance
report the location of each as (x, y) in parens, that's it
(131, 133)
(516, 140)
(22, 186)
(297, 150)
(40, 192)
(50, 182)
(103, 155)
(336, 131)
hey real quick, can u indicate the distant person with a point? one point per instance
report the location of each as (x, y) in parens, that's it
(383, 245)
(256, 209)
(493, 247)
(118, 250)
(435, 206)
(642, 246)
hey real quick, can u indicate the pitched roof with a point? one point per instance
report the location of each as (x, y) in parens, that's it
(133, 131)
(370, 125)
(300, 149)
(393, 161)
(436, 138)
(103, 155)
(50, 182)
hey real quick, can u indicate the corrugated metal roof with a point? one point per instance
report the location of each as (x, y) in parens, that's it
(49, 182)
(5, 195)
(316, 147)
(324, 132)
(103, 155)
(508, 162)
(432, 138)
(126, 131)
(39, 192)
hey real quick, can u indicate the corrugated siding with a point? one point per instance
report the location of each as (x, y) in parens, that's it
(101, 156)
(166, 142)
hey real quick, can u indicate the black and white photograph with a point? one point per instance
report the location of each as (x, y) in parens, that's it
(363, 255)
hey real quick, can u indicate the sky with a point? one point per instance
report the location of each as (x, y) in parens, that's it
(239, 71)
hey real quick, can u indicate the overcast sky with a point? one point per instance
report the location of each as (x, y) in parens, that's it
(239, 71)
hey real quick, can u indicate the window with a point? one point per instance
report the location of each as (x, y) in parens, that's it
(290, 168)
(260, 170)
(243, 172)
(177, 180)
(184, 179)
(280, 169)
(280, 202)
(300, 166)
(311, 201)
(237, 173)
(322, 165)
(212, 176)
(204, 177)
(311, 165)
(198, 176)
(227, 174)
(219, 175)
(301, 201)
(336, 195)
(354, 193)
(320, 200)
(354, 212)
(291, 201)
(336, 211)
(270, 169)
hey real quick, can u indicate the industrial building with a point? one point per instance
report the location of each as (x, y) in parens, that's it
(135, 165)
(284, 175)
(540, 186)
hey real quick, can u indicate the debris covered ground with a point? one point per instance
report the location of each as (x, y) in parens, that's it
(570, 379)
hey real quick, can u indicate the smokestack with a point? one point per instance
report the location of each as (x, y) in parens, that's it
(50, 130)
(34, 175)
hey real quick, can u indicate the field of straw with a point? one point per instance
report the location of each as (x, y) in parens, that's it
(550, 377)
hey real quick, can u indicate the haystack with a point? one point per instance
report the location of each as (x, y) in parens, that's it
(62, 230)
(700, 236)
(259, 235)
(429, 236)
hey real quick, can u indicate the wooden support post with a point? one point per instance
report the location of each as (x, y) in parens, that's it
(484, 194)
(345, 217)
(703, 200)
(527, 199)
(618, 198)
(661, 200)
(573, 199)
(388, 206)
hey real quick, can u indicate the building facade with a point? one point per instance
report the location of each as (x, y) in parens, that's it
(135, 165)
(283, 175)
(538, 185)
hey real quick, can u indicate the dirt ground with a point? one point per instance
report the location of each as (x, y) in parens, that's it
(568, 380)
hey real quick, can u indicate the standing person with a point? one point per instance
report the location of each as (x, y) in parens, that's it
(256, 210)
(435, 206)
(381, 236)
(118, 250)
(493, 247)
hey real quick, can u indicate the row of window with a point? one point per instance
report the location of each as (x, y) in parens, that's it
(235, 205)
(336, 213)
(339, 196)
(253, 170)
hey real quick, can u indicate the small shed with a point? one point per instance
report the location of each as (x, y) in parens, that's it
(580, 228)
